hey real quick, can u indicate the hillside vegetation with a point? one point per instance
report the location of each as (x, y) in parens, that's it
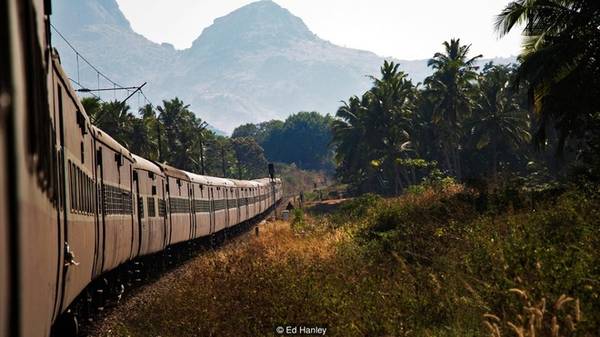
(437, 261)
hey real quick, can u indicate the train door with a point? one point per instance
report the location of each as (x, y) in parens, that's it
(162, 211)
(212, 211)
(247, 202)
(237, 204)
(193, 209)
(100, 211)
(168, 208)
(139, 219)
(226, 196)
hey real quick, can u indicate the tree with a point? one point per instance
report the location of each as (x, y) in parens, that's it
(499, 122)
(113, 118)
(180, 129)
(349, 130)
(251, 161)
(451, 88)
(560, 64)
(372, 134)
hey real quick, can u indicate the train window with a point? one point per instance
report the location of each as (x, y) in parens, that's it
(162, 208)
(71, 183)
(141, 207)
(80, 189)
(99, 156)
(89, 196)
(86, 194)
(153, 190)
(135, 176)
(151, 207)
(81, 121)
(151, 175)
(75, 188)
(119, 159)
(82, 153)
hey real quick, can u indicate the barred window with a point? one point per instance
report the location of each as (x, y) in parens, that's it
(141, 207)
(201, 206)
(151, 207)
(219, 205)
(80, 190)
(162, 208)
(117, 200)
(179, 205)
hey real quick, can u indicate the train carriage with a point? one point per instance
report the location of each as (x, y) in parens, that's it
(202, 219)
(81, 231)
(219, 191)
(119, 239)
(149, 191)
(178, 187)
(242, 190)
(253, 200)
(265, 198)
(32, 238)
(232, 204)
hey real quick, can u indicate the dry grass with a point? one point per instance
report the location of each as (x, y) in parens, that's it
(425, 264)
(249, 287)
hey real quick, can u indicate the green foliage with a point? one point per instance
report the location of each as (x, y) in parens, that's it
(296, 180)
(303, 139)
(559, 65)
(373, 133)
(172, 133)
(250, 157)
(298, 221)
(425, 264)
(390, 138)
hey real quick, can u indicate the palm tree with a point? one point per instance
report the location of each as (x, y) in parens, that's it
(560, 62)
(392, 105)
(349, 136)
(451, 87)
(373, 132)
(114, 118)
(499, 119)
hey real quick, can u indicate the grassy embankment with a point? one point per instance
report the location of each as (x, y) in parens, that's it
(437, 262)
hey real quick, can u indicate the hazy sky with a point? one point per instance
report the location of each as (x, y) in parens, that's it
(405, 29)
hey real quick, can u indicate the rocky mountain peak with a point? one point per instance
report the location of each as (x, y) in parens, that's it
(259, 24)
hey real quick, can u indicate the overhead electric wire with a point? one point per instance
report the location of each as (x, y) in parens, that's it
(116, 86)
(79, 55)
(89, 92)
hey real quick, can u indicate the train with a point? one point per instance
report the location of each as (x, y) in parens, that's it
(75, 204)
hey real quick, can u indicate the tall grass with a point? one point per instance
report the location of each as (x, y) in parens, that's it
(430, 263)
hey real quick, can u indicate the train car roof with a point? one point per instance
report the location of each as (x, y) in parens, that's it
(244, 183)
(146, 165)
(197, 178)
(263, 181)
(173, 172)
(208, 180)
(107, 140)
(220, 181)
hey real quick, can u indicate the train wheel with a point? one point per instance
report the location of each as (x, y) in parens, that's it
(67, 325)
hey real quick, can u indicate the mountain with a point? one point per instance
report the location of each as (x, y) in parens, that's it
(257, 63)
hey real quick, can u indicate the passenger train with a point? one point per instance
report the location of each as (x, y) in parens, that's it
(75, 205)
